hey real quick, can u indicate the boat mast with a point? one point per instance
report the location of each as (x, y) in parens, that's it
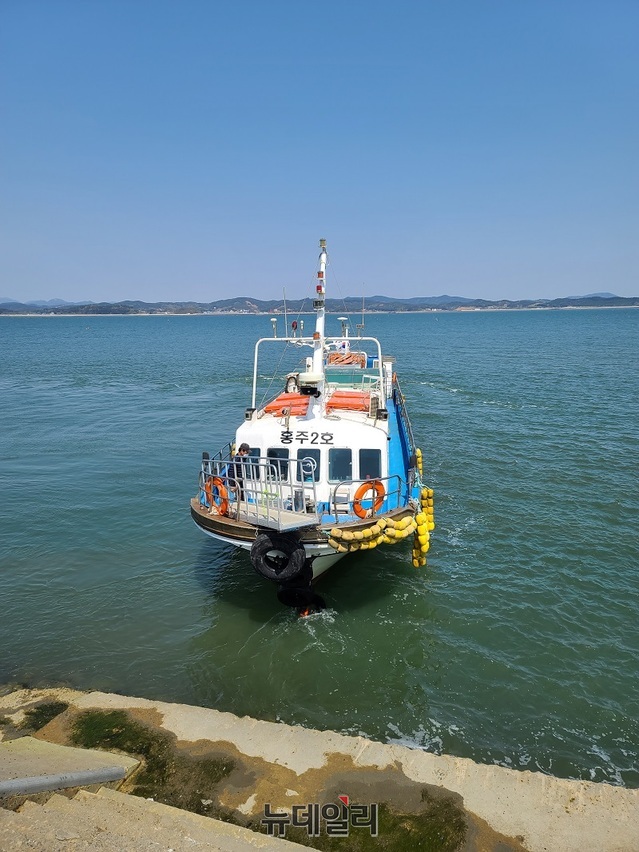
(319, 306)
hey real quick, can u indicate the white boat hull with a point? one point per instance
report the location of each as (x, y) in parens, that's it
(323, 556)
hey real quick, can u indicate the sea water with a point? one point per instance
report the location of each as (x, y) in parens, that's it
(517, 645)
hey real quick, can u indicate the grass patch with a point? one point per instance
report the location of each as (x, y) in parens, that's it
(166, 776)
(38, 717)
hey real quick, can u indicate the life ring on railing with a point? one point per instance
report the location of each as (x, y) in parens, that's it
(216, 493)
(363, 489)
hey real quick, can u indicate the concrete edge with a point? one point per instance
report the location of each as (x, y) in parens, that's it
(545, 812)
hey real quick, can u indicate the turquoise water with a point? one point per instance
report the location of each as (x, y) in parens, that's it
(518, 644)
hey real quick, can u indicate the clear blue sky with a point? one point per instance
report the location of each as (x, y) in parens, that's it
(197, 150)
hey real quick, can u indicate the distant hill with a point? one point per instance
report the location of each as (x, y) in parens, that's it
(50, 303)
(416, 300)
(351, 305)
(595, 296)
(41, 303)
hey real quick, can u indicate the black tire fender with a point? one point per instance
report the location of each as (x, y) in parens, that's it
(278, 557)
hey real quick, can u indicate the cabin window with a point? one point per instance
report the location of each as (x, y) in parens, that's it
(340, 464)
(254, 464)
(278, 462)
(370, 464)
(308, 471)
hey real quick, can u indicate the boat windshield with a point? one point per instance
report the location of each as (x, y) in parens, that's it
(354, 377)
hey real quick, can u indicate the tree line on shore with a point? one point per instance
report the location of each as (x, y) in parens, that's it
(352, 305)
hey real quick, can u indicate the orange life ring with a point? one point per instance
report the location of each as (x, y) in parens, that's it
(363, 489)
(221, 499)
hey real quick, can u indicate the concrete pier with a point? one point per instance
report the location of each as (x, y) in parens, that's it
(283, 765)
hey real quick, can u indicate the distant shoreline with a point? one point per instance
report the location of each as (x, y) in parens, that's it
(278, 313)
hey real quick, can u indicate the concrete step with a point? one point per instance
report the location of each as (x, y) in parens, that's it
(29, 765)
(110, 821)
(34, 828)
(227, 836)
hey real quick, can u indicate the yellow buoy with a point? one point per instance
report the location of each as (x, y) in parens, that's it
(336, 532)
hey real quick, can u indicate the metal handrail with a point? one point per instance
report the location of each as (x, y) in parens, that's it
(225, 453)
(392, 497)
(398, 398)
(273, 493)
(367, 382)
(280, 494)
(311, 342)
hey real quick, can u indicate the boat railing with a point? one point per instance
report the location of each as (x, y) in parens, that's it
(367, 382)
(281, 494)
(312, 342)
(225, 453)
(398, 399)
(278, 494)
(394, 496)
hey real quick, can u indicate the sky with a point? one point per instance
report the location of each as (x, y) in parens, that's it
(199, 149)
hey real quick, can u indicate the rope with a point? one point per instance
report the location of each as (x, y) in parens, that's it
(270, 384)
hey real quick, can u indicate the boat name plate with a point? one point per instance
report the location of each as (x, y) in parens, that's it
(287, 436)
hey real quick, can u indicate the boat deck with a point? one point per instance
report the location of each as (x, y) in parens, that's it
(282, 520)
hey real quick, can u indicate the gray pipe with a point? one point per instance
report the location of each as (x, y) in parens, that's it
(42, 783)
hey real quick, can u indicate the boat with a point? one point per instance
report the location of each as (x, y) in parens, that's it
(325, 467)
